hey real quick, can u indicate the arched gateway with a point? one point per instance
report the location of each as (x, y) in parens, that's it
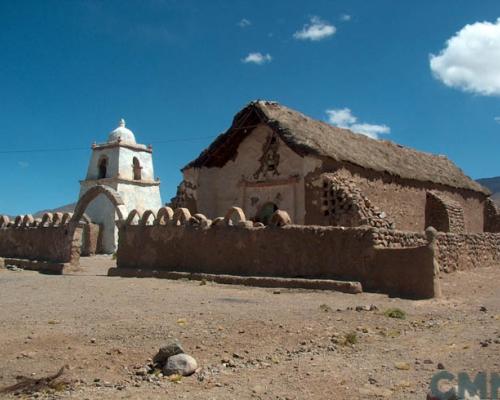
(79, 216)
(112, 195)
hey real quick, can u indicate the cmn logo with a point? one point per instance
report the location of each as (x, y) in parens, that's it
(466, 386)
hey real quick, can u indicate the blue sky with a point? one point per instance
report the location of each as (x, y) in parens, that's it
(178, 71)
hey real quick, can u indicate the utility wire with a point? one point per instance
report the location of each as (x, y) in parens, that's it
(50, 150)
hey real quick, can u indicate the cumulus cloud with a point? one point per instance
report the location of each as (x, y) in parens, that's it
(344, 118)
(316, 30)
(244, 23)
(470, 60)
(345, 17)
(257, 58)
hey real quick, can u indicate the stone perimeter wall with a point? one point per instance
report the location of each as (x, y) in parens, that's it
(454, 251)
(54, 238)
(176, 241)
(466, 251)
(395, 262)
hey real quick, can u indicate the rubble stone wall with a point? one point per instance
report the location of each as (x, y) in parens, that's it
(491, 217)
(453, 251)
(466, 251)
(394, 239)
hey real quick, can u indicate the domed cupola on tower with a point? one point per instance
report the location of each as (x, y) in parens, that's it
(121, 134)
(127, 167)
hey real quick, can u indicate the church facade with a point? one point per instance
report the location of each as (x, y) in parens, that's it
(127, 167)
(273, 157)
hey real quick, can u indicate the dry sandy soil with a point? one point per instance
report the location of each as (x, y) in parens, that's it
(251, 343)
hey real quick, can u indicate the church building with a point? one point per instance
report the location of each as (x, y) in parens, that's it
(126, 167)
(273, 157)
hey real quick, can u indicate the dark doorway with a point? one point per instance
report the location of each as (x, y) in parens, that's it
(265, 213)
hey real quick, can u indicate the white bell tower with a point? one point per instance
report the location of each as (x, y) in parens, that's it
(127, 167)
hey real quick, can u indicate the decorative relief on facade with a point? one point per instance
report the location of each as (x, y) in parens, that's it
(270, 159)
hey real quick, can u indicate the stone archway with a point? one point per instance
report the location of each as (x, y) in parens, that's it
(79, 215)
(112, 195)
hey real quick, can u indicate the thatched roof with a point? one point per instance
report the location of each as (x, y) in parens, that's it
(307, 136)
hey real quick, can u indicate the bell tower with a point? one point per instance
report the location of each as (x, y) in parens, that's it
(127, 167)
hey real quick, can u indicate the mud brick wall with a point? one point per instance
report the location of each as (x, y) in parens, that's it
(177, 241)
(466, 251)
(48, 239)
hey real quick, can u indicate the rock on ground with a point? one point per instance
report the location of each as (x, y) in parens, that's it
(167, 351)
(182, 364)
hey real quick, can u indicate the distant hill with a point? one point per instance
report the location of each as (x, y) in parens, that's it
(63, 209)
(494, 185)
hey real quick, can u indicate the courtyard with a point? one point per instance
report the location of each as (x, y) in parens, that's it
(250, 343)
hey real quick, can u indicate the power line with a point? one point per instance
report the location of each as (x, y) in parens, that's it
(59, 149)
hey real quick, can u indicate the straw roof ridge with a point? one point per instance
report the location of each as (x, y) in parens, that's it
(308, 136)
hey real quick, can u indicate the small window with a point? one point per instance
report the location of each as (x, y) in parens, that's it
(136, 165)
(103, 168)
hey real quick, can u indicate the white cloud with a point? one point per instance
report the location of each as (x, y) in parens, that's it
(257, 58)
(343, 118)
(497, 119)
(345, 17)
(471, 59)
(316, 30)
(244, 23)
(23, 164)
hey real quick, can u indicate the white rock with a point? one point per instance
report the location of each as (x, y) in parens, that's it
(182, 364)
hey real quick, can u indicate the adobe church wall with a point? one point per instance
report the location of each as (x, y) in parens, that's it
(246, 182)
(403, 200)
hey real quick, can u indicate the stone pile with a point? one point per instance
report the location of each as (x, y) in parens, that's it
(172, 360)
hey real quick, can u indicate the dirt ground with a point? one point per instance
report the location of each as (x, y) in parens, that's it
(251, 343)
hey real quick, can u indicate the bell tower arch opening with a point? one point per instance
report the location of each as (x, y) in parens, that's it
(136, 169)
(103, 167)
